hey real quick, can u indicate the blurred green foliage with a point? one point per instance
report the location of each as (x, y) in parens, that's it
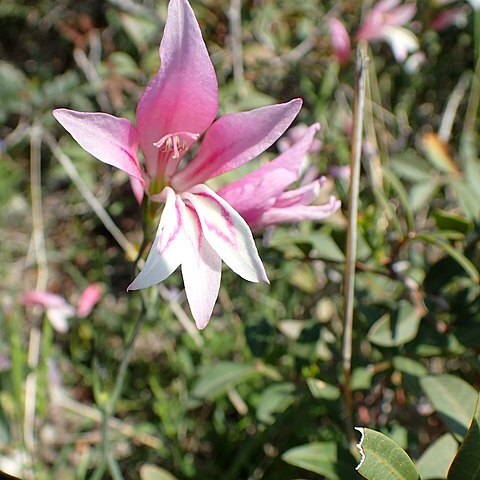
(256, 395)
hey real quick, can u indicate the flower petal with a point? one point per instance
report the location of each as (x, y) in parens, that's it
(341, 45)
(298, 213)
(88, 299)
(227, 233)
(303, 195)
(258, 190)
(110, 139)
(166, 252)
(43, 299)
(201, 270)
(234, 140)
(401, 41)
(138, 189)
(58, 317)
(184, 94)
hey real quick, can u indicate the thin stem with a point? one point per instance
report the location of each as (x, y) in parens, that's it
(109, 409)
(356, 151)
(90, 198)
(235, 19)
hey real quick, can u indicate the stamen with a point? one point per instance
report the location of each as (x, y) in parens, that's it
(174, 142)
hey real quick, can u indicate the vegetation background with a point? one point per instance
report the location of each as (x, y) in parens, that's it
(232, 401)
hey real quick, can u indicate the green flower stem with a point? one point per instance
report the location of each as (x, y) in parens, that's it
(107, 460)
(349, 279)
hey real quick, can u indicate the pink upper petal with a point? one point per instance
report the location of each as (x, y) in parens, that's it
(402, 15)
(183, 97)
(385, 5)
(110, 139)
(234, 140)
(201, 270)
(88, 299)
(258, 191)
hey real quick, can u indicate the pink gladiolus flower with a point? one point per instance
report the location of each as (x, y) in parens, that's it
(57, 309)
(341, 45)
(262, 197)
(88, 299)
(385, 23)
(197, 228)
(293, 135)
(453, 16)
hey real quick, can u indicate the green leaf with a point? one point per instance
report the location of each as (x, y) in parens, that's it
(320, 389)
(152, 472)
(326, 246)
(411, 167)
(467, 199)
(436, 459)
(409, 366)
(397, 328)
(383, 459)
(275, 399)
(422, 193)
(216, 380)
(463, 261)
(402, 195)
(322, 458)
(450, 221)
(466, 464)
(453, 399)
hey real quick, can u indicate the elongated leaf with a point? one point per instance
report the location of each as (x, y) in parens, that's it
(453, 399)
(450, 221)
(463, 261)
(466, 464)
(216, 380)
(436, 459)
(320, 389)
(467, 198)
(152, 472)
(275, 399)
(323, 458)
(383, 459)
(396, 329)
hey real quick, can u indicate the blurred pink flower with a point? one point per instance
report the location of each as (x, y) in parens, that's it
(197, 228)
(385, 23)
(57, 309)
(262, 197)
(88, 299)
(341, 45)
(453, 16)
(294, 134)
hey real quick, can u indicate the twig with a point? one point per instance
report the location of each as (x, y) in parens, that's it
(235, 20)
(109, 409)
(129, 6)
(89, 197)
(41, 285)
(63, 401)
(473, 102)
(445, 129)
(37, 213)
(356, 152)
(89, 70)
